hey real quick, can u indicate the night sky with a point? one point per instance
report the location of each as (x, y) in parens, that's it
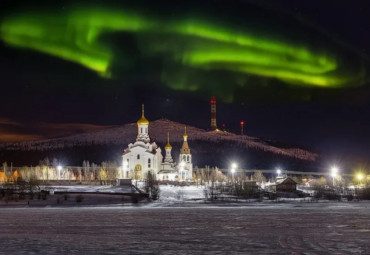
(294, 71)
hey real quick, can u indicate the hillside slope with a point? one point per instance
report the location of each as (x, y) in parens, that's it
(123, 135)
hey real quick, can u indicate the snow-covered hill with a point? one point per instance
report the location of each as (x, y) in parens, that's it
(158, 129)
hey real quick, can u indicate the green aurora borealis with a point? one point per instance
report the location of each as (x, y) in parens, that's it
(188, 45)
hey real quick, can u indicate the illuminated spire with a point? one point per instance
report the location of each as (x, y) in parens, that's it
(168, 146)
(185, 135)
(142, 120)
(185, 146)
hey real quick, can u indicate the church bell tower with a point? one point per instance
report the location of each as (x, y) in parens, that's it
(143, 128)
(186, 165)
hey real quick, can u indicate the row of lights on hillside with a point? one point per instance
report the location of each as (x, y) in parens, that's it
(334, 172)
(234, 166)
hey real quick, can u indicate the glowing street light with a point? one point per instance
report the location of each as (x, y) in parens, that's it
(278, 172)
(59, 168)
(334, 172)
(233, 169)
(234, 166)
(359, 177)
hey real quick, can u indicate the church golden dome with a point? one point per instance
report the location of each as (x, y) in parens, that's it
(142, 120)
(168, 146)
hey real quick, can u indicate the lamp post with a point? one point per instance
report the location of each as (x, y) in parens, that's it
(334, 172)
(359, 177)
(59, 169)
(278, 172)
(233, 169)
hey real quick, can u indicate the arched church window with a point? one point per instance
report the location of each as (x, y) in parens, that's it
(141, 130)
(138, 156)
(149, 163)
(188, 159)
(184, 158)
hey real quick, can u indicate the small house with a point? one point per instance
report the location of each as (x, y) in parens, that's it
(284, 185)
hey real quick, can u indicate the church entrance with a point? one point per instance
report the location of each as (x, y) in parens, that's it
(138, 172)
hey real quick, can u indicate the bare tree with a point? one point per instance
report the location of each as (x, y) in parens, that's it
(79, 173)
(152, 186)
(86, 168)
(112, 171)
(259, 177)
(5, 169)
(44, 165)
(94, 170)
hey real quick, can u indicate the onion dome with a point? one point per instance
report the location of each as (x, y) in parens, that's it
(168, 146)
(142, 120)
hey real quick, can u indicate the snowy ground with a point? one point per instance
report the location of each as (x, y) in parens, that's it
(182, 223)
(170, 193)
(316, 228)
(89, 188)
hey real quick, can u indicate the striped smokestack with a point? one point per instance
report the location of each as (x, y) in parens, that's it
(213, 113)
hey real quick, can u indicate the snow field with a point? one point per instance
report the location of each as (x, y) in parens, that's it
(284, 229)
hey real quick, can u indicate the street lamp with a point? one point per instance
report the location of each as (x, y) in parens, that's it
(233, 169)
(334, 172)
(234, 166)
(359, 177)
(59, 169)
(278, 172)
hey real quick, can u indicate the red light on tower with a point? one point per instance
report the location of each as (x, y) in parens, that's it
(213, 113)
(223, 126)
(242, 127)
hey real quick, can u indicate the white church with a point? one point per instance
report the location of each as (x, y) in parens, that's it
(144, 156)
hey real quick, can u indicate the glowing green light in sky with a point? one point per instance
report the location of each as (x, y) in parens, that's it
(196, 43)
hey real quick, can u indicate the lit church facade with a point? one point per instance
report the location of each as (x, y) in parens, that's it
(145, 156)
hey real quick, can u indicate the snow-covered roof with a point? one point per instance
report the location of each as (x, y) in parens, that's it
(285, 181)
